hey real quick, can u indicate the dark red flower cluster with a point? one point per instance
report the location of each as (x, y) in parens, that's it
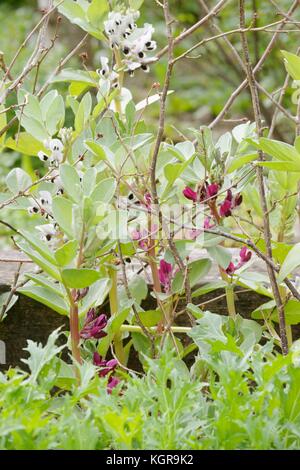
(229, 203)
(165, 274)
(106, 367)
(93, 325)
(245, 256)
(148, 200)
(141, 236)
(208, 191)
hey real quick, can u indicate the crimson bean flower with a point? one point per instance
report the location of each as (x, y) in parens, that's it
(244, 256)
(148, 200)
(190, 194)
(208, 191)
(106, 367)
(194, 233)
(93, 325)
(230, 203)
(207, 223)
(141, 236)
(212, 190)
(225, 208)
(112, 383)
(231, 268)
(165, 274)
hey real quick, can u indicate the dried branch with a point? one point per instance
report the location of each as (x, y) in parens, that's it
(261, 183)
(257, 67)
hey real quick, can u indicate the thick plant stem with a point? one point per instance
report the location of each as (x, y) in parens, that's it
(289, 332)
(138, 329)
(113, 301)
(74, 330)
(229, 291)
(289, 335)
(261, 184)
(154, 270)
(230, 300)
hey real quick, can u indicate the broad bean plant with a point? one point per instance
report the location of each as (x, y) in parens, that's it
(123, 223)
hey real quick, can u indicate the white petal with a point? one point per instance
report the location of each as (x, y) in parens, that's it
(132, 65)
(57, 156)
(56, 145)
(46, 229)
(43, 156)
(104, 62)
(45, 198)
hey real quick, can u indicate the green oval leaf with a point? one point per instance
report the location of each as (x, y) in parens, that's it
(80, 278)
(65, 254)
(291, 262)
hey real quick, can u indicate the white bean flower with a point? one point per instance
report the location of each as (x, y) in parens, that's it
(140, 42)
(48, 231)
(56, 148)
(136, 47)
(132, 66)
(55, 179)
(119, 27)
(42, 205)
(45, 200)
(105, 73)
(55, 152)
(34, 208)
(134, 42)
(44, 157)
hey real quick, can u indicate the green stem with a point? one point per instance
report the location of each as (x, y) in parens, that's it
(74, 327)
(289, 335)
(229, 291)
(168, 307)
(289, 332)
(74, 330)
(230, 300)
(138, 329)
(113, 301)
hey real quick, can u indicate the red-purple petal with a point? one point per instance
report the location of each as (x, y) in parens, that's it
(190, 194)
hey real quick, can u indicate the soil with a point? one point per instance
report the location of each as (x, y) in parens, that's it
(28, 319)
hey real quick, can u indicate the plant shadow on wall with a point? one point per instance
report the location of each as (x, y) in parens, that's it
(119, 214)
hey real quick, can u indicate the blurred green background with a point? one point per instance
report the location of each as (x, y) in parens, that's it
(201, 84)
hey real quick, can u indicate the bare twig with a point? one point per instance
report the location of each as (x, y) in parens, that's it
(36, 28)
(193, 28)
(257, 67)
(261, 184)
